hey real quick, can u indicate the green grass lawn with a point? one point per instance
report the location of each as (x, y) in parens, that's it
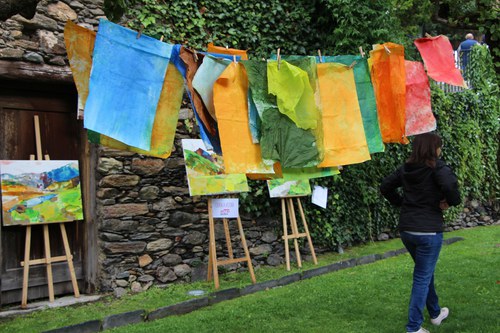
(369, 298)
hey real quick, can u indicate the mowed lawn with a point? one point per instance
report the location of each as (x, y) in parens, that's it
(369, 298)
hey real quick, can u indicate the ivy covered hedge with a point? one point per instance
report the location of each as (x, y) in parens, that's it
(468, 121)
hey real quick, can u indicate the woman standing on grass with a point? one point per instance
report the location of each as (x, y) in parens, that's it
(429, 187)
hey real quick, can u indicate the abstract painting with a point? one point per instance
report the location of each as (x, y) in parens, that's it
(40, 192)
(281, 188)
(205, 171)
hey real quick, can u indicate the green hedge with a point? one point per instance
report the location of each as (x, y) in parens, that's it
(467, 121)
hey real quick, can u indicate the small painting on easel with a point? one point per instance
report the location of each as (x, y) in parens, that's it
(41, 191)
(205, 171)
(281, 188)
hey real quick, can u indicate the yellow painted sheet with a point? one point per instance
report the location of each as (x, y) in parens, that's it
(240, 154)
(344, 135)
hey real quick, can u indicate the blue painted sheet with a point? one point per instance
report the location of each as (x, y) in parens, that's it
(125, 84)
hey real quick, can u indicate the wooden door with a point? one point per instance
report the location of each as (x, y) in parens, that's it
(61, 140)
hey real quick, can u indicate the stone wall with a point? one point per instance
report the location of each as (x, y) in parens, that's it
(41, 39)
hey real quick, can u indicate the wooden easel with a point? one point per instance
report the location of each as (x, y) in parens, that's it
(213, 264)
(287, 203)
(48, 260)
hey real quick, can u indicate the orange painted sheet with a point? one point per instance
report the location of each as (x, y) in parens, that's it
(419, 117)
(437, 54)
(240, 154)
(222, 50)
(389, 84)
(344, 134)
(79, 47)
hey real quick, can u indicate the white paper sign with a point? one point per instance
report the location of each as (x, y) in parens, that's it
(319, 196)
(225, 208)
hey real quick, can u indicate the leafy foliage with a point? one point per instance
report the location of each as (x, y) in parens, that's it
(467, 121)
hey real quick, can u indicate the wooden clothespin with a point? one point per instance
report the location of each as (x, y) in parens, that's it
(227, 47)
(320, 57)
(387, 50)
(353, 64)
(234, 59)
(161, 38)
(428, 35)
(140, 32)
(195, 55)
(278, 57)
(361, 52)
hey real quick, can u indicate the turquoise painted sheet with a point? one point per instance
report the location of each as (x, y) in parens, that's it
(205, 77)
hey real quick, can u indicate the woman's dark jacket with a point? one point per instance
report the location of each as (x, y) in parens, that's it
(423, 189)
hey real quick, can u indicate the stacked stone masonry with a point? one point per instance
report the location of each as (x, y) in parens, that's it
(153, 232)
(41, 39)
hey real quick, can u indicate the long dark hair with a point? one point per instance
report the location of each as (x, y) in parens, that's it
(424, 149)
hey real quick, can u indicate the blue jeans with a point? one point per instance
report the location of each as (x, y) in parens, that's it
(424, 249)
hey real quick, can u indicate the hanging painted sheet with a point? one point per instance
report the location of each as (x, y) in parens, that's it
(389, 84)
(230, 100)
(345, 141)
(437, 54)
(205, 171)
(223, 50)
(366, 98)
(281, 140)
(204, 79)
(308, 65)
(207, 125)
(295, 96)
(79, 47)
(254, 120)
(419, 117)
(165, 123)
(122, 103)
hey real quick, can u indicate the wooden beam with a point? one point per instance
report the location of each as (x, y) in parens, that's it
(26, 71)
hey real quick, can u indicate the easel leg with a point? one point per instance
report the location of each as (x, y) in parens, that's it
(245, 248)
(26, 272)
(69, 258)
(285, 234)
(228, 239)
(308, 235)
(295, 231)
(212, 251)
(48, 259)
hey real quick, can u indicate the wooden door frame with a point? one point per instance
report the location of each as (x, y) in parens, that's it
(88, 159)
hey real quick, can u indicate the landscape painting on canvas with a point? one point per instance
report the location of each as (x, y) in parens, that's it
(40, 192)
(205, 171)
